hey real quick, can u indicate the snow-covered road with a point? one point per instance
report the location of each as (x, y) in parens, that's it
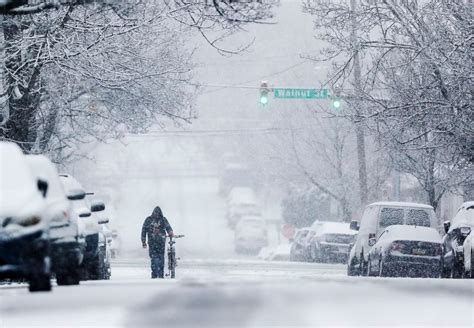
(242, 293)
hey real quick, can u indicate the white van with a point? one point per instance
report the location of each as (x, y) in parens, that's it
(376, 218)
(241, 201)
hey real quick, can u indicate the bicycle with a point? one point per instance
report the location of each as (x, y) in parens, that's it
(172, 259)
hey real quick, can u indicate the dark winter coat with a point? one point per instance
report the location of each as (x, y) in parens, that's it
(155, 227)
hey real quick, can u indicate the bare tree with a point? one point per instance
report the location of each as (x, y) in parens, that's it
(416, 81)
(98, 70)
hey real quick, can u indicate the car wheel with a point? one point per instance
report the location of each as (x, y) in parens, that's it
(445, 272)
(369, 269)
(470, 273)
(456, 270)
(70, 276)
(40, 282)
(351, 269)
(362, 265)
(382, 270)
(93, 268)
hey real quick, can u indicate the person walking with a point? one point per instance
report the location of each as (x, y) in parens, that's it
(155, 227)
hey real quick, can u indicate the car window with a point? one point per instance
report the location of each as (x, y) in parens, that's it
(418, 218)
(390, 216)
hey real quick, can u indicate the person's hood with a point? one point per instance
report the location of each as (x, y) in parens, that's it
(157, 213)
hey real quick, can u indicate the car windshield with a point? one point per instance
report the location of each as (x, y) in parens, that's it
(470, 213)
(17, 184)
(418, 218)
(391, 216)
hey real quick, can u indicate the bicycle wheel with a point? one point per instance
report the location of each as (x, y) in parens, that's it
(172, 264)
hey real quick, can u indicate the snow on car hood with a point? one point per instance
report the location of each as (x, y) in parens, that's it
(412, 233)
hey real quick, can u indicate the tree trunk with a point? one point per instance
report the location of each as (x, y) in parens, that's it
(23, 87)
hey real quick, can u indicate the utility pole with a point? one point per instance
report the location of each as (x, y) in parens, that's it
(359, 129)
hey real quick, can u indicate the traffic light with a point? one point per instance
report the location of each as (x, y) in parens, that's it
(336, 101)
(264, 90)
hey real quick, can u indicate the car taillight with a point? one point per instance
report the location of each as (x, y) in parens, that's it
(396, 246)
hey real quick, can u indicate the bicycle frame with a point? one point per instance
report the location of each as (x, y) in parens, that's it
(172, 260)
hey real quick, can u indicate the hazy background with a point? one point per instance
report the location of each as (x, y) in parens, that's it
(178, 169)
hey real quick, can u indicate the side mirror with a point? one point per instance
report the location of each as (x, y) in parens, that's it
(76, 194)
(97, 206)
(43, 187)
(104, 221)
(354, 225)
(372, 242)
(446, 225)
(84, 213)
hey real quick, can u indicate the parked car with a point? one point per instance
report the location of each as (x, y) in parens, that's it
(24, 222)
(468, 250)
(376, 218)
(66, 244)
(300, 247)
(332, 242)
(115, 245)
(92, 264)
(405, 250)
(453, 242)
(241, 201)
(251, 235)
(278, 253)
(105, 251)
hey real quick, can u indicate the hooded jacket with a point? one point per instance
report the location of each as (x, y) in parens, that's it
(156, 226)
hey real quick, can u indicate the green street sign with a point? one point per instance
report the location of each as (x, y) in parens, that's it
(287, 93)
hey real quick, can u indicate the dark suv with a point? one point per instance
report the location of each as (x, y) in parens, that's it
(457, 230)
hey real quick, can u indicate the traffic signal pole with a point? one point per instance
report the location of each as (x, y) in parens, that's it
(359, 129)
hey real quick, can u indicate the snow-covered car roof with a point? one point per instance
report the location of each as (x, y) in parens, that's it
(409, 232)
(402, 204)
(335, 228)
(18, 185)
(44, 169)
(70, 183)
(464, 216)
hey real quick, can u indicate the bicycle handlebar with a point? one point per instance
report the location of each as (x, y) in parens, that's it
(176, 236)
